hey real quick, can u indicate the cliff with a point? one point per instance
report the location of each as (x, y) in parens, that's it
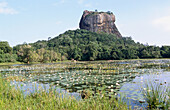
(99, 22)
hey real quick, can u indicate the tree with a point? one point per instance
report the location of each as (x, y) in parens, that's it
(165, 51)
(49, 38)
(25, 53)
(92, 51)
(85, 45)
(1, 51)
(114, 55)
(33, 56)
(144, 54)
(4, 46)
(40, 53)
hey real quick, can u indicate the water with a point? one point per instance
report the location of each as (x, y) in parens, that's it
(32, 87)
(114, 77)
(132, 90)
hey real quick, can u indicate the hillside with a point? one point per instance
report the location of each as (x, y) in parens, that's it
(81, 45)
(86, 45)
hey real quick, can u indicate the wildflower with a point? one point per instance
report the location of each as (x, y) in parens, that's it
(124, 79)
(117, 84)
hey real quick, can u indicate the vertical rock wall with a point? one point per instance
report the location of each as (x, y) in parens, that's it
(99, 22)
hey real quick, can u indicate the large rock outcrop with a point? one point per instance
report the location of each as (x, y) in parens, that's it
(99, 22)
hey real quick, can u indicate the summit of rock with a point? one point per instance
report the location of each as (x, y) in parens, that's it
(99, 22)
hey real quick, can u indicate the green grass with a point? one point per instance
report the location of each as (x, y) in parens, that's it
(11, 98)
(14, 99)
(10, 63)
(13, 63)
(157, 95)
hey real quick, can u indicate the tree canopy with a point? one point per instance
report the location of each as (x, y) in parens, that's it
(83, 45)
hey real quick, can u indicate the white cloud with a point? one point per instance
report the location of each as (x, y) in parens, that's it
(163, 23)
(5, 9)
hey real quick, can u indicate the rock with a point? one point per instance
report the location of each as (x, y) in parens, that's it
(141, 101)
(99, 22)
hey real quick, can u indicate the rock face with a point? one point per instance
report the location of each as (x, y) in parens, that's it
(99, 22)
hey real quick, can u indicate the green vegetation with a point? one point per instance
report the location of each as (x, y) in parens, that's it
(80, 76)
(10, 63)
(6, 53)
(74, 77)
(157, 95)
(81, 45)
(96, 13)
(12, 99)
(27, 54)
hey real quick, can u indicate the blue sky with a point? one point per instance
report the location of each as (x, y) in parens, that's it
(146, 21)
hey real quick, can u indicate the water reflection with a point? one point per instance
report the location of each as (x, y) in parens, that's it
(114, 77)
(132, 90)
(32, 87)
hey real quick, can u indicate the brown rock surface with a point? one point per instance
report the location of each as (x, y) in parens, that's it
(99, 22)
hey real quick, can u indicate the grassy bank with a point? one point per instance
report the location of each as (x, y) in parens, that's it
(13, 63)
(14, 99)
(10, 63)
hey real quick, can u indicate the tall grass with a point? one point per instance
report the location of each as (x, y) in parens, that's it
(157, 95)
(14, 99)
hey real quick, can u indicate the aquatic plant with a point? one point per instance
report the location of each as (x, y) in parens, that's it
(80, 76)
(157, 95)
(12, 99)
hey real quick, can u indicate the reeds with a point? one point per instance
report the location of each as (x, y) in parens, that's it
(14, 99)
(157, 95)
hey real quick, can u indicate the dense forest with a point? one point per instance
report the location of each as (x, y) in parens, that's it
(81, 45)
(6, 53)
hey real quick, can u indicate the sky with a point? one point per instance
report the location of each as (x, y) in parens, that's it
(146, 21)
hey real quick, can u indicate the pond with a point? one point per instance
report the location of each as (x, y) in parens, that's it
(113, 77)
